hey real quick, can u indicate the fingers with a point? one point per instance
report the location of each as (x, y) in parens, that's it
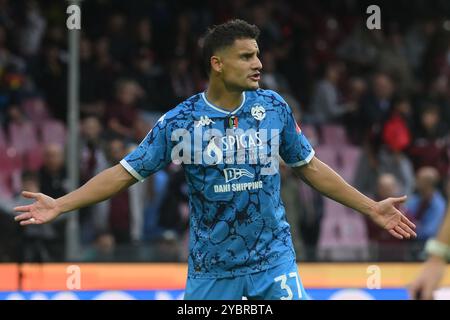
(26, 219)
(404, 225)
(414, 292)
(402, 232)
(400, 199)
(407, 229)
(427, 293)
(22, 208)
(28, 222)
(24, 216)
(409, 223)
(395, 234)
(30, 195)
(421, 291)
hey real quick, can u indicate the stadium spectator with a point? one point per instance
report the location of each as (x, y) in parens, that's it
(102, 249)
(376, 105)
(431, 142)
(89, 77)
(180, 81)
(327, 103)
(50, 74)
(392, 60)
(107, 68)
(174, 209)
(40, 243)
(53, 180)
(32, 29)
(93, 160)
(52, 175)
(124, 217)
(150, 77)
(386, 161)
(122, 113)
(396, 134)
(383, 247)
(273, 79)
(426, 207)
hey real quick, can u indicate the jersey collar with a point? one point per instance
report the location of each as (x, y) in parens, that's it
(217, 108)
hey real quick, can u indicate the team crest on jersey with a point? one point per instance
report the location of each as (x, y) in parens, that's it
(258, 112)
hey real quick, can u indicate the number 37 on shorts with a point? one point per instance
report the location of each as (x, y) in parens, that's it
(290, 283)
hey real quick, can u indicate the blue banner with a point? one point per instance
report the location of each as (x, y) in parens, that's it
(315, 294)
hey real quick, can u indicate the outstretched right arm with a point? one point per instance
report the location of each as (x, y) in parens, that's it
(152, 154)
(99, 188)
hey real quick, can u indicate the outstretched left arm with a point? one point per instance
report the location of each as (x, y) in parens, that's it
(384, 213)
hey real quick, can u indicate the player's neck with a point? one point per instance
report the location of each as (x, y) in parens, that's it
(223, 98)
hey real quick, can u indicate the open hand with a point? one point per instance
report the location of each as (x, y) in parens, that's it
(43, 210)
(387, 216)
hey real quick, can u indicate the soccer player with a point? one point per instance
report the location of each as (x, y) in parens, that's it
(229, 139)
(433, 270)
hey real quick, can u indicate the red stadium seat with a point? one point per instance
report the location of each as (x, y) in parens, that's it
(11, 168)
(343, 234)
(22, 137)
(53, 131)
(6, 191)
(328, 154)
(34, 159)
(334, 135)
(3, 141)
(310, 133)
(344, 159)
(349, 158)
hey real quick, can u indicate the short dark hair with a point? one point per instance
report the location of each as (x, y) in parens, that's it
(224, 35)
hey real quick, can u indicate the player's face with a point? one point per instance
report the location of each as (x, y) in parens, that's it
(241, 66)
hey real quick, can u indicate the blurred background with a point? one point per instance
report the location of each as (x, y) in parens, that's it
(375, 104)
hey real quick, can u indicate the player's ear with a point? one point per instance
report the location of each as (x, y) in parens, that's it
(216, 63)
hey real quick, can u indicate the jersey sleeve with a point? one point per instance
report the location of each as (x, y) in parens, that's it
(152, 154)
(295, 148)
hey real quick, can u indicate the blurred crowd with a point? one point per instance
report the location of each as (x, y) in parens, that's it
(375, 104)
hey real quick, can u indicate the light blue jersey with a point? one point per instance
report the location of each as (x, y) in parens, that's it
(237, 222)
